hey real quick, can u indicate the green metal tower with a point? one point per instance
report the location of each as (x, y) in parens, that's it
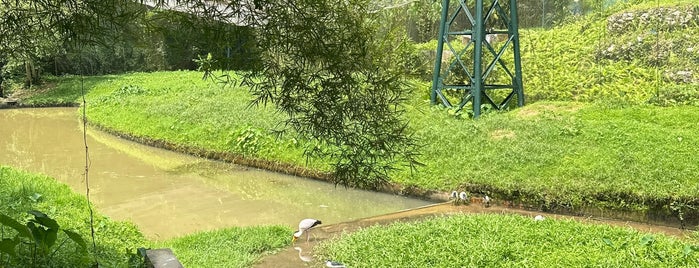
(482, 62)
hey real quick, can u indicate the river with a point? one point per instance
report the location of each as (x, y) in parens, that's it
(167, 194)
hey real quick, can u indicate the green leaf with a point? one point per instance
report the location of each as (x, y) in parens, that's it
(687, 251)
(647, 240)
(44, 219)
(51, 237)
(9, 222)
(76, 238)
(35, 197)
(8, 246)
(608, 242)
(38, 233)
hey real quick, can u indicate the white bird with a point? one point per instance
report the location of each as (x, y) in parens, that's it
(454, 195)
(304, 226)
(334, 264)
(463, 196)
(486, 201)
(539, 218)
(303, 258)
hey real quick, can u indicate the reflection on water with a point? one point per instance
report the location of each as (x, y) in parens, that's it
(169, 194)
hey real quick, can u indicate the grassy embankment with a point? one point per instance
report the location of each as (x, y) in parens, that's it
(117, 242)
(506, 241)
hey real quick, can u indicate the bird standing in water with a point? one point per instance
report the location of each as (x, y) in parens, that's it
(304, 226)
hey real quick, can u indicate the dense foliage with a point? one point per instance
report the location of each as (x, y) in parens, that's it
(338, 79)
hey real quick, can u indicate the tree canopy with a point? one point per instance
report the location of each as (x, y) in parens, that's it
(334, 68)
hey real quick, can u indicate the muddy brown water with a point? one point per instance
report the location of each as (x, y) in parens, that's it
(169, 194)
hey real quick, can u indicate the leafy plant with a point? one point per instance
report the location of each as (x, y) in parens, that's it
(249, 141)
(41, 232)
(680, 208)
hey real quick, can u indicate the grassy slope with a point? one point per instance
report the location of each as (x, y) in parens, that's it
(555, 149)
(115, 240)
(506, 241)
(570, 152)
(585, 61)
(179, 107)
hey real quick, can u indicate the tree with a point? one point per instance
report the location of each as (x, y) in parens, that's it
(334, 68)
(32, 30)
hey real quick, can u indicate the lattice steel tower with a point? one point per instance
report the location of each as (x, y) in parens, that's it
(483, 61)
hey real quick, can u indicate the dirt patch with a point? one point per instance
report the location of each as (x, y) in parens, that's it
(291, 257)
(535, 110)
(23, 93)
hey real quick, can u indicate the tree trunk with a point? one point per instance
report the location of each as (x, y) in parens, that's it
(31, 75)
(27, 74)
(2, 93)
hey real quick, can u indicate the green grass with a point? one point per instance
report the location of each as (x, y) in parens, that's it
(571, 153)
(609, 150)
(117, 242)
(69, 93)
(230, 247)
(490, 240)
(179, 107)
(21, 191)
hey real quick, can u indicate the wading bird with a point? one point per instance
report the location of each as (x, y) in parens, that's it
(304, 226)
(486, 201)
(463, 196)
(454, 195)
